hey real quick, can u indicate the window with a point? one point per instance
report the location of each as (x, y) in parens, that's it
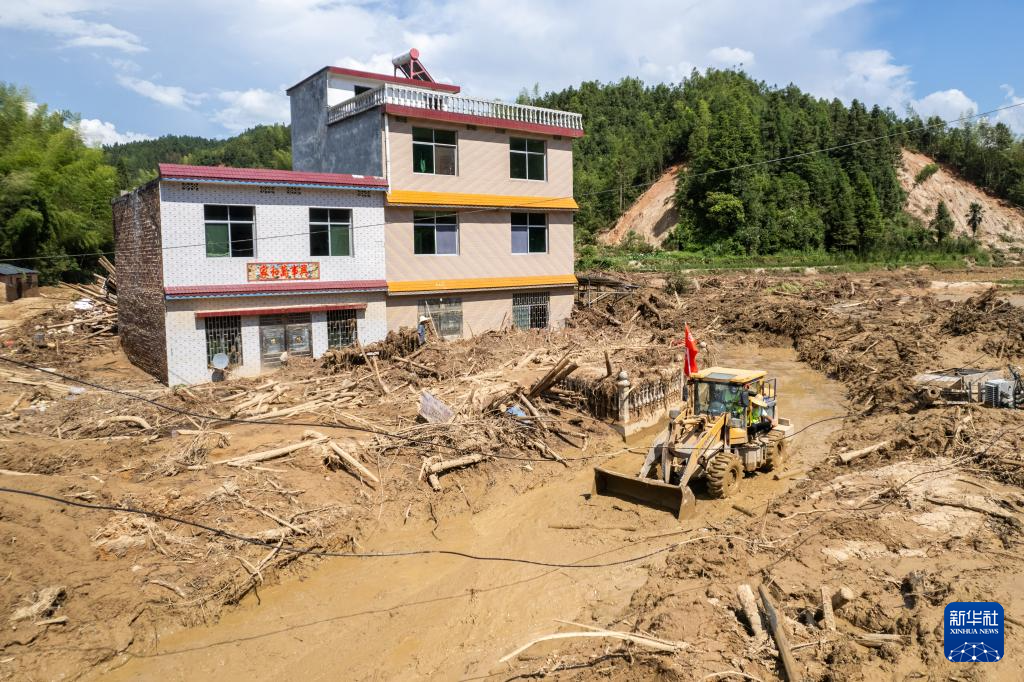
(529, 233)
(341, 328)
(446, 314)
(330, 232)
(229, 231)
(224, 335)
(435, 233)
(530, 311)
(433, 151)
(527, 159)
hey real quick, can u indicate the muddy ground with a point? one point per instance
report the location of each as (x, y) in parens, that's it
(154, 599)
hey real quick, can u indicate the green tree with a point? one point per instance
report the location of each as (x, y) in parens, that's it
(926, 172)
(869, 214)
(942, 223)
(975, 214)
(54, 191)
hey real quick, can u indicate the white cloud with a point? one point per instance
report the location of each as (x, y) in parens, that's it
(872, 77)
(170, 95)
(948, 105)
(1014, 118)
(62, 18)
(96, 133)
(490, 47)
(252, 107)
(731, 56)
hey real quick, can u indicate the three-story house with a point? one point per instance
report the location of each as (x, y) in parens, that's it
(480, 204)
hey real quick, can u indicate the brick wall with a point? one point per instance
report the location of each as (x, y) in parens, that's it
(140, 294)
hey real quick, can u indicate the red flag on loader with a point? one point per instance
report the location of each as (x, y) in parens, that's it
(690, 362)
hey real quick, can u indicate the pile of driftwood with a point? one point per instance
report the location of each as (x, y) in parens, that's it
(516, 423)
(79, 325)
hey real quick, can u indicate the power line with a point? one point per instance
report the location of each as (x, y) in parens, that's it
(220, 532)
(544, 200)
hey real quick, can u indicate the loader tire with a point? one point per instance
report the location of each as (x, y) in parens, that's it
(775, 452)
(724, 475)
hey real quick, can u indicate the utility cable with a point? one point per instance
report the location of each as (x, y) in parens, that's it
(544, 200)
(220, 532)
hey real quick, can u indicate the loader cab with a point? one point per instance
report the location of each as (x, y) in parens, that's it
(724, 389)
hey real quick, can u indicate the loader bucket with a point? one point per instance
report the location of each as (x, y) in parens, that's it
(649, 491)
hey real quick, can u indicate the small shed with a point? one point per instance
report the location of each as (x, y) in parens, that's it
(18, 282)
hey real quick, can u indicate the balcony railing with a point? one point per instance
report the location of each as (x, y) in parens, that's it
(434, 101)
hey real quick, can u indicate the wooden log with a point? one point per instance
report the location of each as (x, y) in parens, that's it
(353, 462)
(828, 617)
(531, 409)
(288, 411)
(445, 465)
(373, 366)
(779, 635)
(545, 381)
(196, 432)
(417, 365)
(607, 365)
(789, 474)
(125, 419)
(744, 510)
(269, 454)
(566, 371)
(749, 605)
(847, 457)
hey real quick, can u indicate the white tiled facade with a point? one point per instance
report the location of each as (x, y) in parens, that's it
(186, 334)
(281, 232)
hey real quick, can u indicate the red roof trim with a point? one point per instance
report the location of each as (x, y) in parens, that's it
(414, 82)
(433, 115)
(279, 311)
(275, 287)
(176, 171)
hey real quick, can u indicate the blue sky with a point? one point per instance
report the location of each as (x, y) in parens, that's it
(137, 69)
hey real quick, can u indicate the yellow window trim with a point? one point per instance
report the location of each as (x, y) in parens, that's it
(402, 197)
(480, 283)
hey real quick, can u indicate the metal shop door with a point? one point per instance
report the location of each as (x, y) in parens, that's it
(290, 334)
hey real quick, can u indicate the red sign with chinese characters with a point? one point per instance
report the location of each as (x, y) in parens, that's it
(269, 272)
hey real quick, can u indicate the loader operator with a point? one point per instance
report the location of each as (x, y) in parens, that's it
(759, 421)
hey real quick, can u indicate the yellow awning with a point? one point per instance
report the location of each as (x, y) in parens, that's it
(404, 197)
(480, 283)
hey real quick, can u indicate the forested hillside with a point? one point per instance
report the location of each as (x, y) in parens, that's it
(265, 146)
(846, 200)
(725, 128)
(985, 154)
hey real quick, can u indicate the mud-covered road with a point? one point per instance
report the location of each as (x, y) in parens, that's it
(430, 617)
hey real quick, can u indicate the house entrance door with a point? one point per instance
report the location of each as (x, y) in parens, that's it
(290, 334)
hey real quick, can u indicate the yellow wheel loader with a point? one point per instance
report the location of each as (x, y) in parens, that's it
(729, 425)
